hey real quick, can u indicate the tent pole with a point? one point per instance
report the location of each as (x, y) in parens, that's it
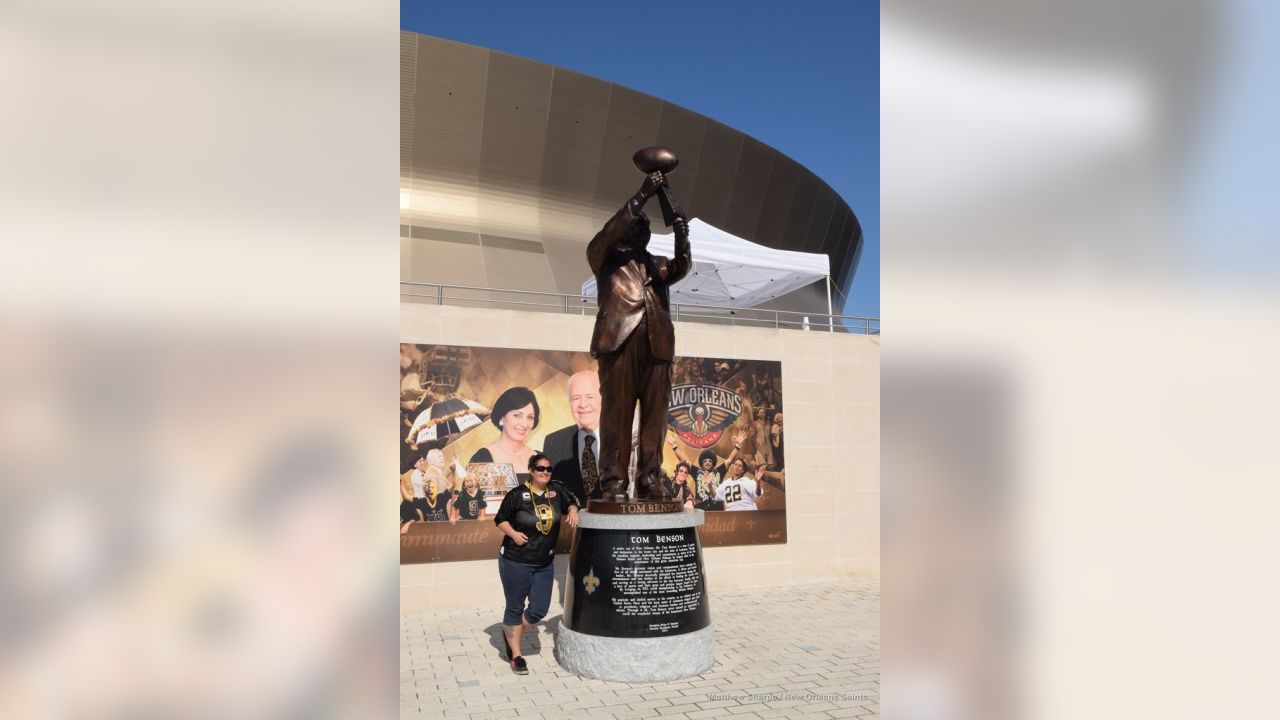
(831, 321)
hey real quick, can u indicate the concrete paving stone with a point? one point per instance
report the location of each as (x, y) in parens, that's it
(650, 704)
(490, 715)
(712, 713)
(683, 707)
(768, 712)
(665, 693)
(701, 692)
(802, 686)
(629, 714)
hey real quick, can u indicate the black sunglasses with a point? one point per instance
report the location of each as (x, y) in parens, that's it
(542, 468)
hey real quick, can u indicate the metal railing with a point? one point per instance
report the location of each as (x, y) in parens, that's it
(564, 304)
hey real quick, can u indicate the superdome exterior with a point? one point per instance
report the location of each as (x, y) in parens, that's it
(509, 166)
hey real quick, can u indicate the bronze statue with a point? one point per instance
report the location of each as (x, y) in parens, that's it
(634, 340)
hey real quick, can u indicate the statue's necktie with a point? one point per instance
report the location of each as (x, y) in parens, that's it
(590, 473)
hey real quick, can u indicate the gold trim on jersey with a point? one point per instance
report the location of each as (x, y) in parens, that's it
(544, 512)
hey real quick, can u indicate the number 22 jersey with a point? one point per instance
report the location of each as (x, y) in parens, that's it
(738, 493)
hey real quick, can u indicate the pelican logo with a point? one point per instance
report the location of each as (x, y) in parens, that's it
(700, 413)
(591, 582)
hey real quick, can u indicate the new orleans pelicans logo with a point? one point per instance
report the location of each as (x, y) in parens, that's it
(700, 413)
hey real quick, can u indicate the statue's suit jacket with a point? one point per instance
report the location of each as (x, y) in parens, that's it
(632, 285)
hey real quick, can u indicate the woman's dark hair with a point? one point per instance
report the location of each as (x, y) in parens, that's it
(534, 458)
(684, 465)
(746, 466)
(707, 455)
(514, 399)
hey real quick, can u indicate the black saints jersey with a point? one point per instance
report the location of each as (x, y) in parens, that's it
(468, 505)
(536, 515)
(437, 509)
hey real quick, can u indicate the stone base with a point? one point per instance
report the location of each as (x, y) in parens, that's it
(636, 660)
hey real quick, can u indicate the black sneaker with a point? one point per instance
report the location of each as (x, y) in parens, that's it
(519, 666)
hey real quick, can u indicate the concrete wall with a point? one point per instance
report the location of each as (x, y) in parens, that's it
(831, 396)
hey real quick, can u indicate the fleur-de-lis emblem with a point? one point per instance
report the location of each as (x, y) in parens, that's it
(591, 582)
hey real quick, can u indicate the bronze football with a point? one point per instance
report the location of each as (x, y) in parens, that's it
(655, 159)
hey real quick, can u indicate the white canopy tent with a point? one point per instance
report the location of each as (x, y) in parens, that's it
(733, 272)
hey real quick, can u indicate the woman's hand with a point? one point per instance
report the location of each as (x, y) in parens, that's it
(519, 538)
(573, 516)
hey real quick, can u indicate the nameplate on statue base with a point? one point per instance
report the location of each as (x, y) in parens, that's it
(634, 507)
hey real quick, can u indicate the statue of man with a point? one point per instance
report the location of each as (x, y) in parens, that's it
(634, 341)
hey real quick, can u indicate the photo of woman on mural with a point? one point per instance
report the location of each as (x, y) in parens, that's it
(740, 490)
(516, 414)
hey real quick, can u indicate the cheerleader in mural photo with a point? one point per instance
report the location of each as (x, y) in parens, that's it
(740, 490)
(516, 415)
(469, 503)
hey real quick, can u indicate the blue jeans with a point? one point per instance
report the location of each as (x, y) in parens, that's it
(520, 581)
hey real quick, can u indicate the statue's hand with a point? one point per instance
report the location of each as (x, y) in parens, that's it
(681, 228)
(652, 182)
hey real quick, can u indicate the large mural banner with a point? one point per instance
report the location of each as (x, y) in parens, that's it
(471, 417)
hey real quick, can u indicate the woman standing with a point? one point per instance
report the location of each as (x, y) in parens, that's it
(529, 518)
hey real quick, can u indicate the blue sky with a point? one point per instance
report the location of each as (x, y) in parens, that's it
(803, 77)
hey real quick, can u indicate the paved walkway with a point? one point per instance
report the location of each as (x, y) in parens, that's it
(803, 651)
